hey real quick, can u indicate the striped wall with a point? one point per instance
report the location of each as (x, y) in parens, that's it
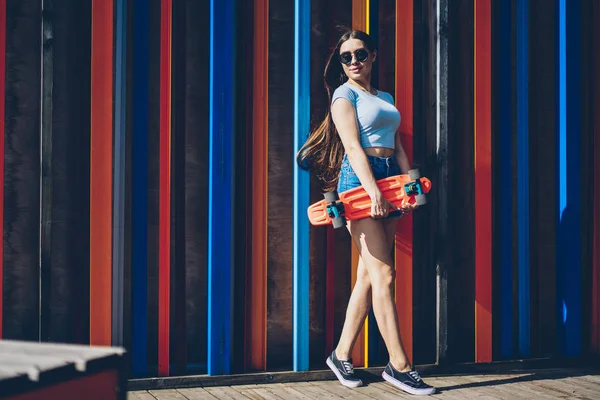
(150, 196)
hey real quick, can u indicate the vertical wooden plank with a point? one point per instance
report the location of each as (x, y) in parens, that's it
(139, 192)
(327, 285)
(221, 179)
(461, 221)
(65, 166)
(101, 173)
(301, 186)
(483, 181)
(153, 172)
(120, 132)
(438, 116)
(404, 103)
(178, 324)
(2, 97)
(523, 174)
(281, 166)
(360, 353)
(22, 171)
(569, 198)
(543, 120)
(595, 298)
(257, 301)
(47, 168)
(164, 241)
(502, 173)
(189, 187)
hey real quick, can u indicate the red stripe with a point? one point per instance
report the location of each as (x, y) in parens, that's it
(2, 96)
(330, 292)
(164, 235)
(101, 173)
(404, 103)
(256, 318)
(483, 183)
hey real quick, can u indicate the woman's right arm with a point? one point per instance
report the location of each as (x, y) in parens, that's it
(344, 118)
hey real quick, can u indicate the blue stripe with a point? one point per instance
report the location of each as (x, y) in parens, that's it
(221, 185)
(301, 267)
(505, 166)
(139, 196)
(523, 172)
(119, 172)
(569, 219)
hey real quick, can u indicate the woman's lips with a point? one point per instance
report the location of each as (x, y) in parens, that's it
(354, 70)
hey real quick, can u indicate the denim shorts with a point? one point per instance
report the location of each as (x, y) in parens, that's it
(382, 167)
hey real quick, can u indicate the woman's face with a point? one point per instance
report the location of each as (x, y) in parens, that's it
(352, 50)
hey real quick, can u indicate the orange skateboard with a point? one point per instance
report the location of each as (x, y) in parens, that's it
(353, 204)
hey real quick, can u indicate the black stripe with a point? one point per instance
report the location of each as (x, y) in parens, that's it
(22, 171)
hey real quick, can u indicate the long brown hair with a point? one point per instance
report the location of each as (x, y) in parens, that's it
(323, 151)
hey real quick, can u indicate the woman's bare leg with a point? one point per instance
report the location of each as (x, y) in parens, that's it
(374, 239)
(359, 306)
(373, 244)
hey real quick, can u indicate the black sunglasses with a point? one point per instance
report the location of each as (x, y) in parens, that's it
(360, 54)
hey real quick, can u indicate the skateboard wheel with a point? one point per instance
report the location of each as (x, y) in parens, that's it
(421, 199)
(414, 174)
(338, 222)
(330, 197)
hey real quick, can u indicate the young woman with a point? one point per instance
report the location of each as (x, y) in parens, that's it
(356, 144)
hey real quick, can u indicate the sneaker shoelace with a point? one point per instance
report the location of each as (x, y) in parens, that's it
(414, 375)
(348, 367)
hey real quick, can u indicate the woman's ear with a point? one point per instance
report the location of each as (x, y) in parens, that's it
(373, 55)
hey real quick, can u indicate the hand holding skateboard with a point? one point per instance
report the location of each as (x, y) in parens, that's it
(405, 192)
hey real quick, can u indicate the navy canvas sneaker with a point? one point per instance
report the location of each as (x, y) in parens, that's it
(409, 381)
(344, 370)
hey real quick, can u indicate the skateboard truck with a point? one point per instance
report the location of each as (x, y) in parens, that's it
(335, 209)
(415, 188)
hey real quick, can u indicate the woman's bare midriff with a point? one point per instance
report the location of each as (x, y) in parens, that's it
(379, 151)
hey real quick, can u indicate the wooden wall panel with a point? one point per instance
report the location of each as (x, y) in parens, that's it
(280, 168)
(164, 234)
(330, 280)
(429, 155)
(178, 324)
(190, 165)
(138, 206)
(153, 190)
(301, 191)
(222, 180)
(586, 21)
(22, 171)
(256, 318)
(244, 186)
(461, 273)
(595, 290)
(66, 309)
(2, 101)
(483, 180)
(404, 103)
(101, 147)
(322, 272)
(568, 178)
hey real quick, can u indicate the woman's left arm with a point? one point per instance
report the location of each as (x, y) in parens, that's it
(401, 156)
